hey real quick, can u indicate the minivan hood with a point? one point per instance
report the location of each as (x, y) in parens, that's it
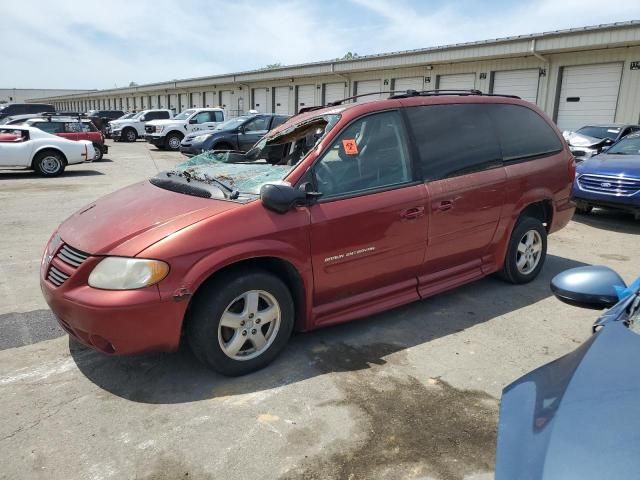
(611, 164)
(131, 219)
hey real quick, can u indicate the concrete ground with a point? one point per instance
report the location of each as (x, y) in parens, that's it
(411, 393)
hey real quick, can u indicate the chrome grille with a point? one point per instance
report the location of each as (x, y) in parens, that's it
(71, 256)
(57, 277)
(609, 185)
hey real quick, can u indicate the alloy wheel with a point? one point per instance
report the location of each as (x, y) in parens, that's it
(529, 252)
(50, 164)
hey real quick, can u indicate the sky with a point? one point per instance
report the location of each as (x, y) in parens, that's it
(106, 44)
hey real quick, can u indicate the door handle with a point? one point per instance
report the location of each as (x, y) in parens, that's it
(411, 213)
(445, 205)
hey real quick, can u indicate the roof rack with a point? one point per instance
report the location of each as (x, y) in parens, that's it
(426, 93)
(79, 116)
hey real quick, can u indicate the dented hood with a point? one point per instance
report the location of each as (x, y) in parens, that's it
(575, 418)
(129, 220)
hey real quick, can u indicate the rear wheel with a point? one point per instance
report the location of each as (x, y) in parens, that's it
(527, 251)
(49, 163)
(99, 154)
(130, 135)
(240, 322)
(173, 141)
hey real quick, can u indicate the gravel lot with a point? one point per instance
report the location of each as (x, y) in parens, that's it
(411, 393)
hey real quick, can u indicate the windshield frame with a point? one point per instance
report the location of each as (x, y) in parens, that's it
(604, 129)
(184, 115)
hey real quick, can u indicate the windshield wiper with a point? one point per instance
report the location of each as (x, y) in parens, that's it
(232, 192)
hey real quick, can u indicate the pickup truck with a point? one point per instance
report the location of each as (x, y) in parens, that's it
(129, 129)
(169, 133)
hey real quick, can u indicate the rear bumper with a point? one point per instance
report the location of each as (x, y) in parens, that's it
(562, 215)
(116, 322)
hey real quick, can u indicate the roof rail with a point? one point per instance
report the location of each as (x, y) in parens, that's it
(340, 102)
(415, 93)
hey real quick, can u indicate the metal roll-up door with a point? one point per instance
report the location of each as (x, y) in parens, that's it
(411, 83)
(209, 100)
(460, 81)
(154, 101)
(523, 83)
(173, 102)
(334, 92)
(196, 100)
(588, 94)
(260, 99)
(306, 95)
(368, 86)
(226, 102)
(281, 100)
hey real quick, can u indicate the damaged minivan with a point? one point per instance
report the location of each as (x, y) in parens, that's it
(340, 213)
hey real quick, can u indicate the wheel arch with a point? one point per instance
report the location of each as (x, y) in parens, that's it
(278, 266)
(47, 148)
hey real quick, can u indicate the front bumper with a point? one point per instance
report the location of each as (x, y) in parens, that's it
(117, 322)
(630, 203)
(189, 149)
(156, 140)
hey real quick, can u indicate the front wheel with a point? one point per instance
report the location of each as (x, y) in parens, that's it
(526, 253)
(173, 141)
(240, 322)
(130, 135)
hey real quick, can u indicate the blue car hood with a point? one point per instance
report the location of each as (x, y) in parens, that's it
(577, 418)
(615, 165)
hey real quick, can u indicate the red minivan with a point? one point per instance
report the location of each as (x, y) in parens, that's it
(340, 213)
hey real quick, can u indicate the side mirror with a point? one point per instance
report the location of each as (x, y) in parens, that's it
(588, 287)
(281, 198)
(143, 119)
(241, 129)
(192, 121)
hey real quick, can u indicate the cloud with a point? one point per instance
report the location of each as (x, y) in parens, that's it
(67, 44)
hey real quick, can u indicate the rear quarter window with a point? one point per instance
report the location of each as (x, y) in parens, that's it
(454, 139)
(523, 133)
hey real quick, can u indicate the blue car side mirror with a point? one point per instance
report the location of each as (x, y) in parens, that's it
(595, 287)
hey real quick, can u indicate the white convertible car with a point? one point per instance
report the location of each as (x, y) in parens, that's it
(23, 146)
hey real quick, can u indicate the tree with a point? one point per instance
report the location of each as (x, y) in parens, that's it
(349, 56)
(273, 65)
(133, 84)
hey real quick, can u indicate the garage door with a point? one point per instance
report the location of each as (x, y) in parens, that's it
(209, 99)
(281, 100)
(260, 100)
(306, 96)
(154, 101)
(226, 102)
(196, 99)
(173, 102)
(523, 83)
(403, 84)
(367, 86)
(461, 81)
(334, 92)
(588, 94)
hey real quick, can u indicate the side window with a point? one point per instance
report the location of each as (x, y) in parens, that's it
(454, 139)
(50, 127)
(523, 133)
(73, 127)
(277, 121)
(204, 117)
(259, 124)
(219, 116)
(370, 153)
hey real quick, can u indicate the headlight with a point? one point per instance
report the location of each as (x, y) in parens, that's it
(120, 273)
(200, 138)
(159, 129)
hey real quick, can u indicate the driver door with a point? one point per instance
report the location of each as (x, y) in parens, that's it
(368, 230)
(202, 121)
(251, 132)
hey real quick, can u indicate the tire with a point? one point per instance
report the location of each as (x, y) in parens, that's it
(243, 296)
(49, 163)
(524, 266)
(99, 154)
(172, 141)
(129, 135)
(583, 209)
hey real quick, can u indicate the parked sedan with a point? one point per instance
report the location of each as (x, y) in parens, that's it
(610, 179)
(238, 134)
(30, 147)
(593, 139)
(576, 417)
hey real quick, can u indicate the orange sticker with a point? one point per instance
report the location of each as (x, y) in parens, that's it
(350, 146)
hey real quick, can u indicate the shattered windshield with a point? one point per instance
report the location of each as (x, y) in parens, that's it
(269, 161)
